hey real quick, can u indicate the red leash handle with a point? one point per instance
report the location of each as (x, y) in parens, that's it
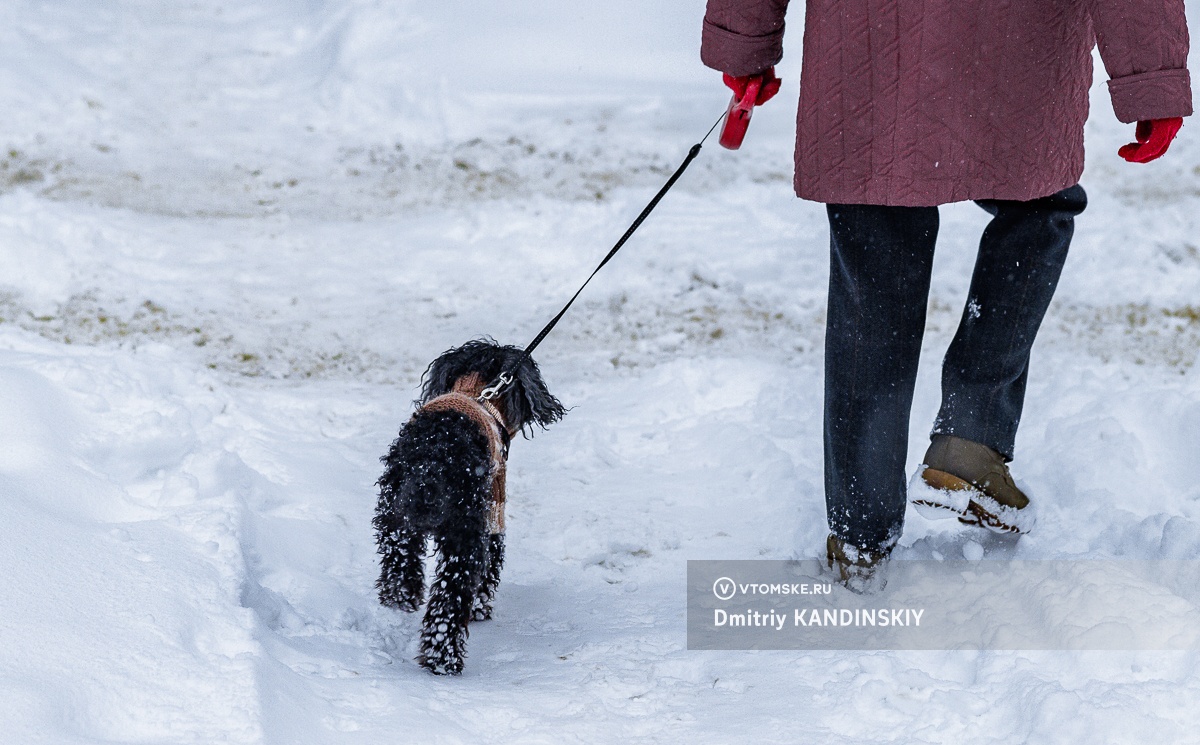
(748, 91)
(737, 117)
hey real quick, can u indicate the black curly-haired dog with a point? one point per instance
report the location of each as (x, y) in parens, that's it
(444, 479)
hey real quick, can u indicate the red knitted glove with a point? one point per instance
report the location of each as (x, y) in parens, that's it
(1153, 138)
(768, 85)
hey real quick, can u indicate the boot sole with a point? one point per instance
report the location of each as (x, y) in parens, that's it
(975, 513)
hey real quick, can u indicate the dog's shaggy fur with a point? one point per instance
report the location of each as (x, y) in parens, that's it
(444, 479)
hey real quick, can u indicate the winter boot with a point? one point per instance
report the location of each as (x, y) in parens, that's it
(859, 570)
(970, 481)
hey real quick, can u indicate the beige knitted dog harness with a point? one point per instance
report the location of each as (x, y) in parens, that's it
(489, 420)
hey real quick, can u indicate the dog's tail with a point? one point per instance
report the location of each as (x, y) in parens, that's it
(437, 472)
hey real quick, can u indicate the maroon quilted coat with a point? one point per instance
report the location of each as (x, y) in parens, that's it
(922, 102)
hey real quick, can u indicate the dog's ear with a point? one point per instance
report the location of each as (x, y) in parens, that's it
(529, 399)
(478, 356)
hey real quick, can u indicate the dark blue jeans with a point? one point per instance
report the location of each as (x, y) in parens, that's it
(880, 263)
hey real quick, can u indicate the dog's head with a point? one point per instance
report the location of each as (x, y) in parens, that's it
(523, 403)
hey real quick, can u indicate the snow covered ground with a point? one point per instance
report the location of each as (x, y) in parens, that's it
(232, 234)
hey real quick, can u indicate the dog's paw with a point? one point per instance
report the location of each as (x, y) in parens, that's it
(405, 603)
(481, 605)
(443, 648)
(441, 664)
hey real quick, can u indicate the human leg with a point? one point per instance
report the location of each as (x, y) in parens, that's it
(880, 262)
(984, 374)
(1020, 259)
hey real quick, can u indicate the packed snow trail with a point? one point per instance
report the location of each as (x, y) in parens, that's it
(232, 235)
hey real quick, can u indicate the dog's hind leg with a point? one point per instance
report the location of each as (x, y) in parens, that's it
(401, 581)
(482, 609)
(460, 570)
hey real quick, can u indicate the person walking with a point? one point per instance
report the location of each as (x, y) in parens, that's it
(906, 105)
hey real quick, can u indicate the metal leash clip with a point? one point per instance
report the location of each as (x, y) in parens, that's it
(493, 390)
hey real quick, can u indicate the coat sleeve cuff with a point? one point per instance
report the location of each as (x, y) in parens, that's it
(738, 54)
(1161, 94)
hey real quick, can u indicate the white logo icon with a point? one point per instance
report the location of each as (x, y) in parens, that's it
(724, 588)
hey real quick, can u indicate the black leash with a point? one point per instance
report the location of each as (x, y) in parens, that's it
(506, 376)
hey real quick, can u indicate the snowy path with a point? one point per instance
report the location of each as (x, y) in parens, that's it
(210, 335)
